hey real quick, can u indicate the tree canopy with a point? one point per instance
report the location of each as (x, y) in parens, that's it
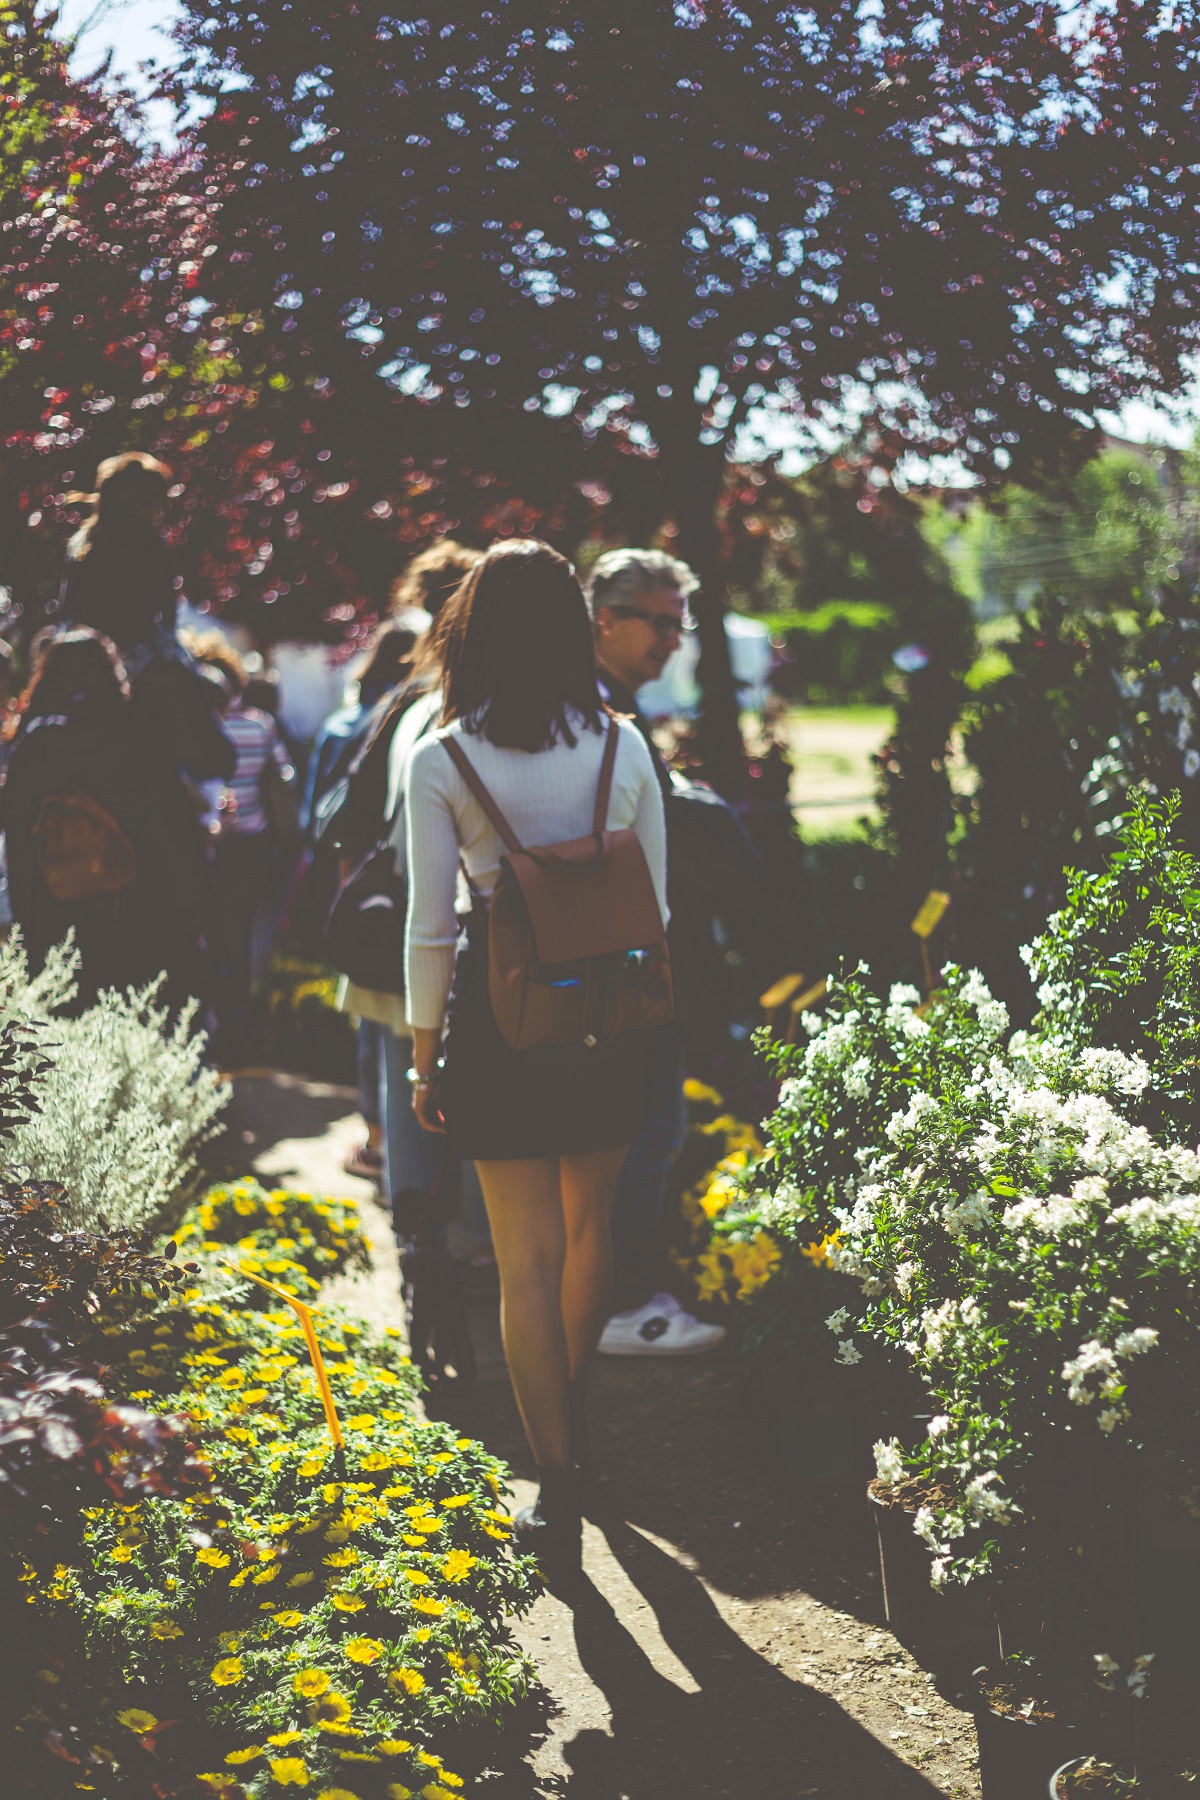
(662, 213)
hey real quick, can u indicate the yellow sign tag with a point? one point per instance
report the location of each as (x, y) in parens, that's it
(781, 991)
(932, 912)
(304, 1314)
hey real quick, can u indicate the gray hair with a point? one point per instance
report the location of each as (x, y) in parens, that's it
(621, 575)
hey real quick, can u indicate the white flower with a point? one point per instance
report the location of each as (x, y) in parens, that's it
(1191, 763)
(971, 1214)
(938, 1427)
(889, 1461)
(1109, 1419)
(925, 1526)
(848, 1354)
(1106, 1668)
(985, 1502)
(905, 1274)
(838, 1320)
(1137, 1342)
(856, 1079)
(1094, 1359)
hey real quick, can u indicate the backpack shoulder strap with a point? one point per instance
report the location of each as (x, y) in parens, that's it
(604, 788)
(462, 763)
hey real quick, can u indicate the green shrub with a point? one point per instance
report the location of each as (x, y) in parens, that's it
(126, 1101)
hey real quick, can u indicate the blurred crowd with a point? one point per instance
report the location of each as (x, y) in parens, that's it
(154, 806)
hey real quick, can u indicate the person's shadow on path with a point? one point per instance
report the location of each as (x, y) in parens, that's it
(750, 1731)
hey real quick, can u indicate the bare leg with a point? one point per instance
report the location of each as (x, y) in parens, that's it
(589, 1181)
(525, 1210)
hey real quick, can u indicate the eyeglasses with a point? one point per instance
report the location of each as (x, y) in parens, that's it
(663, 625)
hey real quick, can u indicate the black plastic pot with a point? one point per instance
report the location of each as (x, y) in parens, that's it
(1018, 1757)
(950, 1628)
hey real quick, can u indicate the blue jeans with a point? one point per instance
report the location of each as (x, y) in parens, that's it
(641, 1189)
(370, 1079)
(411, 1156)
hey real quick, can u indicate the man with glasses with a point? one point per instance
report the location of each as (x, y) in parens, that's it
(639, 609)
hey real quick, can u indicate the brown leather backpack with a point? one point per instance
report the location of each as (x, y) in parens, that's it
(576, 949)
(81, 849)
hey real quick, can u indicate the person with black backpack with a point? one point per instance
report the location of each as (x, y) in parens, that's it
(88, 845)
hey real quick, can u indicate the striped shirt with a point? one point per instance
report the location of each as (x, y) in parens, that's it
(255, 736)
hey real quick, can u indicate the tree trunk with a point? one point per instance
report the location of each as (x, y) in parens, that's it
(693, 477)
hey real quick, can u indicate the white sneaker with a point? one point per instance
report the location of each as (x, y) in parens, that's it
(659, 1328)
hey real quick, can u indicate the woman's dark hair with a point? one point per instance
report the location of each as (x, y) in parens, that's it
(124, 485)
(516, 649)
(76, 670)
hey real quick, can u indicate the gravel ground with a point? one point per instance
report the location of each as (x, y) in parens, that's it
(730, 1639)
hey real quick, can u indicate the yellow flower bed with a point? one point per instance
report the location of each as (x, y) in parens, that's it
(315, 1621)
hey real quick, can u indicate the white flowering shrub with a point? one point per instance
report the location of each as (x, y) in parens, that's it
(125, 1103)
(1119, 964)
(1031, 1250)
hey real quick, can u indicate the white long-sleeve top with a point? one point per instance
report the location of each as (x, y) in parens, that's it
(547, 796)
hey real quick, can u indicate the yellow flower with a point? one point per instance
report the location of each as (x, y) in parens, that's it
(406, 1681)
(349, 1603)
(458, 1500)
(290, 1771)
(341, 1559)
(214, 1559)
(121, 1553)
(362, 1649)
(417, 1576)
(396, 1790)
(228, 1672)
(433, 1791)
(165, 1628)
(330, 1711)
(245, 1756)
(302, 1579)
(336, 1794)
(818, 1253)
(135, 1719)
(377, 1459)
(310, 1682)
(434, 1608)
(458, 1565)
(281, 1738)
(395, 1746)
(312, 1465)
(698, 1093)
(289, 1618)
(361, 1422)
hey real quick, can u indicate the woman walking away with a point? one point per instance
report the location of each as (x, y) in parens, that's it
(87, 851)
(119, 578)
(547, 1128)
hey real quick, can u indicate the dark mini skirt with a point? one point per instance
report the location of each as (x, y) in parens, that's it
(501, 1103)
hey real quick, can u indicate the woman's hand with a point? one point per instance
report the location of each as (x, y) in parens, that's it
(427, 1104)
(425, 1077)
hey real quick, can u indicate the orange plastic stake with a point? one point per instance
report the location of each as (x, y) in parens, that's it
(304, 1314)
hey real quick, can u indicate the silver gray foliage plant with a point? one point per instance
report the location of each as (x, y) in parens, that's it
(127, 1102)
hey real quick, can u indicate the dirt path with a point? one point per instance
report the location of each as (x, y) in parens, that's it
(730, 1640)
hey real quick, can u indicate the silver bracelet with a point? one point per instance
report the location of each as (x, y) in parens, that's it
(423, 1081)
